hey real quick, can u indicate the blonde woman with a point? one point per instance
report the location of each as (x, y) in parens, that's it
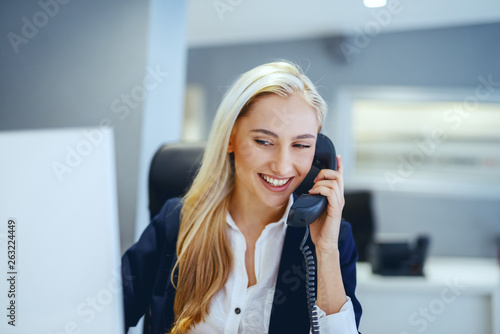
(222, 259)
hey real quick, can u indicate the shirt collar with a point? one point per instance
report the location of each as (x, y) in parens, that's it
(281, 222)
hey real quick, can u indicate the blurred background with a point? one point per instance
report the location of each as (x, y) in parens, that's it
(413, 89)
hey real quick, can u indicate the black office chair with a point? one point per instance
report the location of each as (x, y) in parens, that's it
(174, 167)
(172, 171)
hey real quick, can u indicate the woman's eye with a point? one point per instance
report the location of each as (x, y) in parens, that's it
(301, 146)
(262, 142)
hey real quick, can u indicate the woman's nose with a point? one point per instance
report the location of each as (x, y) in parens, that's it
(282, 163)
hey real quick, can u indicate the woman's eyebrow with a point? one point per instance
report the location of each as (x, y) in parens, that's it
(272, 134)
(304, 136)
(266, 132)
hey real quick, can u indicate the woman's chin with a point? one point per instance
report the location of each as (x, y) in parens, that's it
(276, 200)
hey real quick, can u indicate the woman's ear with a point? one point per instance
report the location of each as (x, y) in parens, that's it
(230, 148)
(230, 145)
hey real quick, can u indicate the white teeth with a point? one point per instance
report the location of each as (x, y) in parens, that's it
(274, 182)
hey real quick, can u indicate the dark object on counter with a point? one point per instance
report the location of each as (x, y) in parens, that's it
(358, 211)
(399, 258)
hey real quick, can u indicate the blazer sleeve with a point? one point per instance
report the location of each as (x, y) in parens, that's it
(348, 258)
(141, 262)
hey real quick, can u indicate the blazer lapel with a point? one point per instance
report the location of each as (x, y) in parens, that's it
(289, 313)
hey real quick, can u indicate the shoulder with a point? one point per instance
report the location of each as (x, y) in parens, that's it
(171, 209)
(168, 218)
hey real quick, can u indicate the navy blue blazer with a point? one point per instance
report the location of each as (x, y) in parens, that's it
(147, 265)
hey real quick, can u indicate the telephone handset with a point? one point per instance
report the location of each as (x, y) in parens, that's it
(307, 208)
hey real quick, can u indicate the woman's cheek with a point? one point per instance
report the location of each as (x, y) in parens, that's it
(306, 163)
(248, 152)
(246, 157)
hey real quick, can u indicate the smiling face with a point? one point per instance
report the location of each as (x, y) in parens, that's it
(273, 146)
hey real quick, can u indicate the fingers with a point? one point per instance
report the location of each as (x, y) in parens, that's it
(340, 164)
(333, 193)
(331, 174)
(330, 183)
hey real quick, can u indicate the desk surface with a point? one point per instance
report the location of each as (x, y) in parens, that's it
(477, 274)
(456, 295)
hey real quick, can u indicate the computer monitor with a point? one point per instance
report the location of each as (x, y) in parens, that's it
(59, 240)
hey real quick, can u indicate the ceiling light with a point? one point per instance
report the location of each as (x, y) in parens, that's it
(375, 3)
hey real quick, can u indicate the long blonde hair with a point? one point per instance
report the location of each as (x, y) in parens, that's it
(204, 256)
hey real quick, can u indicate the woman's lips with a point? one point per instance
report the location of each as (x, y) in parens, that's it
(275, 184)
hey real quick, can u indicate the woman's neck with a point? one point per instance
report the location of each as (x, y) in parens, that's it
(247, 212)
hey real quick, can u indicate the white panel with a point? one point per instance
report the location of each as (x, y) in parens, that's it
(59, 186)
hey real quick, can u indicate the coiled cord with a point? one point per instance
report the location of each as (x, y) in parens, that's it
(310, 278)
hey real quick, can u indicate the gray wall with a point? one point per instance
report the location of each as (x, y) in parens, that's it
(68, 74)
(452, 57)
(447, 58)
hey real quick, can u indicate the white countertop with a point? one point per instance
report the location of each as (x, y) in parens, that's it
(477, 275)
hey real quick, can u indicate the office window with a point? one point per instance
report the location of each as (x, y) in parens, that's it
(193, 128)
(406, 141)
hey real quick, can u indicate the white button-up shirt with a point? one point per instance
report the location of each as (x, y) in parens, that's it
(238, 309)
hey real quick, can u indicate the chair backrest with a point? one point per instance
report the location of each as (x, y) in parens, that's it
(172, 171)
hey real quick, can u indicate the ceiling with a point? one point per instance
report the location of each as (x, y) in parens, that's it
(219, 22)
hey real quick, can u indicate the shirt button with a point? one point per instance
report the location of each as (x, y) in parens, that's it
(237, 310)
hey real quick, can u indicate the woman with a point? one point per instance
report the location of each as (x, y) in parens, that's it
(234, 266)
